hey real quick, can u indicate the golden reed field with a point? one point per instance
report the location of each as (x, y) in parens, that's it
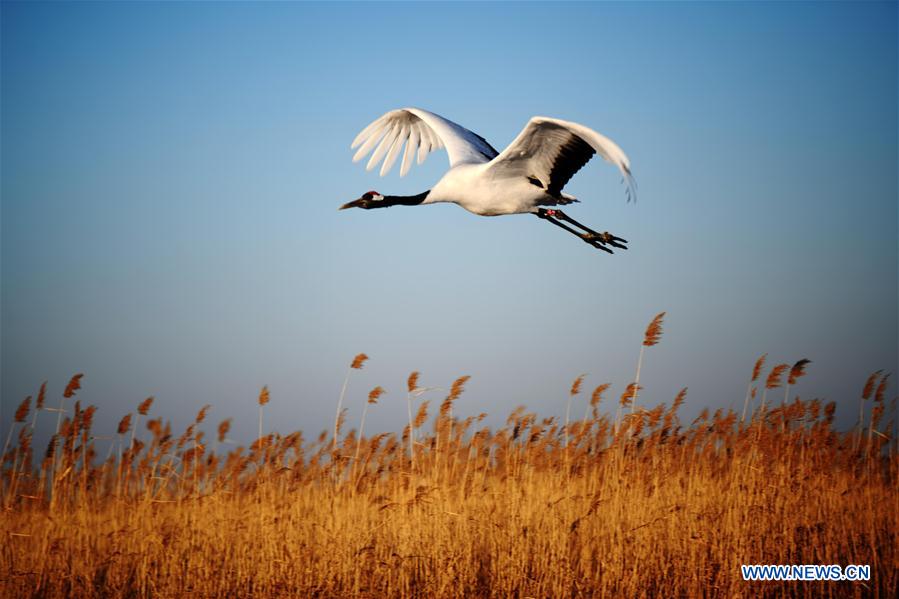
(616, 500)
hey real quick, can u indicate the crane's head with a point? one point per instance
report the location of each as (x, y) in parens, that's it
(368, 200)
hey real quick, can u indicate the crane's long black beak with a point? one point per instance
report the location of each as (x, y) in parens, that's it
(353, 204)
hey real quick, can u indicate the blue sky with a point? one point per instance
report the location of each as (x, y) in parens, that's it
(171, 173)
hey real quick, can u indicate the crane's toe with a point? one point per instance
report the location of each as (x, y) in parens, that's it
(596, 241)
(614, 241)
(601, 240)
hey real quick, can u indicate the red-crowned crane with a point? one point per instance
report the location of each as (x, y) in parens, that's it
(526, 176)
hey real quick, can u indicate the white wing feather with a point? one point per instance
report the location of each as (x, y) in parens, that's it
(424, 148)
(395, 149)
(386, 143)
(368, 132)
(421, 132)
(411, 147)
(374, 134)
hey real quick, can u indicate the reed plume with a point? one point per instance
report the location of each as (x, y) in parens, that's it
(456, 390)
(41, 396)
(412, 387)
(39, 404)
(341, 420)
(124, 425)
(772, 382)
(144, 407)
(796, 372)
(775, 376)
(421, 416)
(223, 428)
(357, 364)
(575, 389)
(878, 409)
(71, 388)
(74, 385)
(359, 361)
(373, 397)
(444, 422)
(651, 337)
(877, 412)
(374, 394)
(50, 454)
(869, 384)
(22, 411)
(679, 399)
(629, 393)
(627, 398)
(654, 330)
(881, 389)
(867, 390)
(595, 398)
(756, 371)
(87, 418)
(201, 415)
(20, 415)
(263, 399)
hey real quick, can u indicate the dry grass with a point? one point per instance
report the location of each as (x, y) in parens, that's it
(650, 508)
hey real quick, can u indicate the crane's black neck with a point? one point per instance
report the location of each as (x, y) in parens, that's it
(389, 201)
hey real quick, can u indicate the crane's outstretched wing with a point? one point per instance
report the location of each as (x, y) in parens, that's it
(422, 132)
(551, 151)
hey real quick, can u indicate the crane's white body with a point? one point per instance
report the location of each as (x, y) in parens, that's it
(475, 188)
(529, 173)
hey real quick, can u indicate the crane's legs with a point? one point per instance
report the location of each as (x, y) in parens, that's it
(597, 240)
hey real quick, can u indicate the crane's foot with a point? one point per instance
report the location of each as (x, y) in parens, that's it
(602, 239)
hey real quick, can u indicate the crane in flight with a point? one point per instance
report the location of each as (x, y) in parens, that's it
(526, 177)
